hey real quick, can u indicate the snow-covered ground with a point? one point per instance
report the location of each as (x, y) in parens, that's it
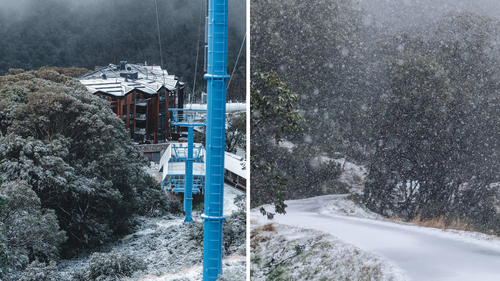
(420, 253)
(282, 252)
(352, 174)
(230, 194)
(170, 249)
(234, 268)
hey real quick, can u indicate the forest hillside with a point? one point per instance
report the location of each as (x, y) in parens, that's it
(417, 104)
(94, 33)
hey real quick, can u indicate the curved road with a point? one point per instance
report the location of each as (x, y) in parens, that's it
(420, 253)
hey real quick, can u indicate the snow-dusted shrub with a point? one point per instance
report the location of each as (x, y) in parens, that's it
(112, 266)
(74, 152)
(40, 271)
(241, 201)
(3, 239)
(152, 202)
(234, 230)
(174, 206)
(3, 251)
(28, 231)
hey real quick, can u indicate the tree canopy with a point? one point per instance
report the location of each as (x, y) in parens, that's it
(272, 116)
(436, 139)
(67, 146)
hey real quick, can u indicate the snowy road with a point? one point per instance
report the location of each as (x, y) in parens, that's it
(420, 253)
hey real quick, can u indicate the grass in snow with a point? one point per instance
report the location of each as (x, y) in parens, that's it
(282, 252)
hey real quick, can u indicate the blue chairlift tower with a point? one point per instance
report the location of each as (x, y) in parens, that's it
(187, 118)
(215, 138)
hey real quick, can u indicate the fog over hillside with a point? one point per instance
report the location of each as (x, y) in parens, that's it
(91, 33)
(411, 15)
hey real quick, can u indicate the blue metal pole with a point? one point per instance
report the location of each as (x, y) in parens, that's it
(188, 188)
(215, 138)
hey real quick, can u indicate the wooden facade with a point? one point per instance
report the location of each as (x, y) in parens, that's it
(141, 96)
(146, 116)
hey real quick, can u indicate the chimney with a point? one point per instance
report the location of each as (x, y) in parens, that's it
(122, 65)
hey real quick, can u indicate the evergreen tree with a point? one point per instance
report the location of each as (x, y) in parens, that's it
(74, 152)
(436, 135)
(272, 116)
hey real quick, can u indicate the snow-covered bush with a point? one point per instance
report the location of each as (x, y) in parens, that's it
(241, 201)
(174, 206)
(152, 202)
(40, 271)
(234, 230)
(28, 231)
(112, 266)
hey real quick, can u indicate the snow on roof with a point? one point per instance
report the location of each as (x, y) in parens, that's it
(235, 164)
(119, 80)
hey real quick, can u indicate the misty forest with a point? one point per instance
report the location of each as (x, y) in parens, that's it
(94, 33)
(76, 199)
(409, 89)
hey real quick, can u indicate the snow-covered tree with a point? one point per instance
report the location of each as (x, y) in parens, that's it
(273, 116)
(28, 231)
(75, 154)
(437, 126)
(236, 131)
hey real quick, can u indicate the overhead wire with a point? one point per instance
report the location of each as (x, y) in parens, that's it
(197, 51)
(159, 41)
(236, 63)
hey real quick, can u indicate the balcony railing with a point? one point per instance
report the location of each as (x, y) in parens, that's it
(140, 131)
(141, 102)
(188, 117)
(140, 116)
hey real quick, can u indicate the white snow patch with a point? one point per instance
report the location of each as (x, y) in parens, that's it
(287, 144)
(421, 253)
(291, 253)
(352, 174)
(229, 265)
(169, 223)
(345, 207)
(230, 194)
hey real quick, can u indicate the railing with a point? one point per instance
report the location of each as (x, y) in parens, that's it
(181, 153)
(140, 131)
(141, 102)
(140, 116)
(184, 117)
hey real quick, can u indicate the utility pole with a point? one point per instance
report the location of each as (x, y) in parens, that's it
(215, 138)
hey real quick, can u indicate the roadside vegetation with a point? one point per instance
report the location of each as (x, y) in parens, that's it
(282, 252)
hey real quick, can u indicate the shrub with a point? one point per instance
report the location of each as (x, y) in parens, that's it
(75, 153)
(234, 230)
(28, 231)
(112, 266)
(174, 206)
(40, 271)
